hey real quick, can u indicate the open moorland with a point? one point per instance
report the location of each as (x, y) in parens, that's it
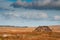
(30, 33)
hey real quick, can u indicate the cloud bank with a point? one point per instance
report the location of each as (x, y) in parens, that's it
(27, 14)
(23, 12)
(38, 4)
(18, 11)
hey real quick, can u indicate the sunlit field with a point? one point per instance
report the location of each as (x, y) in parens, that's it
(38, 33)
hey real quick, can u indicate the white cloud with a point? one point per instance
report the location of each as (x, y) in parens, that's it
(23, 3)
(57, 17)
(33, 14)
(28, 14)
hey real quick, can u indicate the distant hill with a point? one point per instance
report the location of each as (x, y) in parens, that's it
(43, 29)
(14, 26)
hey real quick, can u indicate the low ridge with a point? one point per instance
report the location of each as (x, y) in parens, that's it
(43, 29)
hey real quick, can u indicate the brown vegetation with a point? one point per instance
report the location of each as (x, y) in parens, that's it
(39, 33)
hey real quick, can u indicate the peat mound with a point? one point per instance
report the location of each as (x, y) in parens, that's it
(43, 29)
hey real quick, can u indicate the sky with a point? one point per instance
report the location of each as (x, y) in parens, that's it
(29, 12)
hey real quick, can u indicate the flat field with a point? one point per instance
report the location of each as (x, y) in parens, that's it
(11, 33)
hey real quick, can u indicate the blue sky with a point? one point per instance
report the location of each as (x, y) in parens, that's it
(29, 13)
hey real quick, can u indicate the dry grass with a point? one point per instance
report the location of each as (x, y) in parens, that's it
(31, 36)
(9, 33)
